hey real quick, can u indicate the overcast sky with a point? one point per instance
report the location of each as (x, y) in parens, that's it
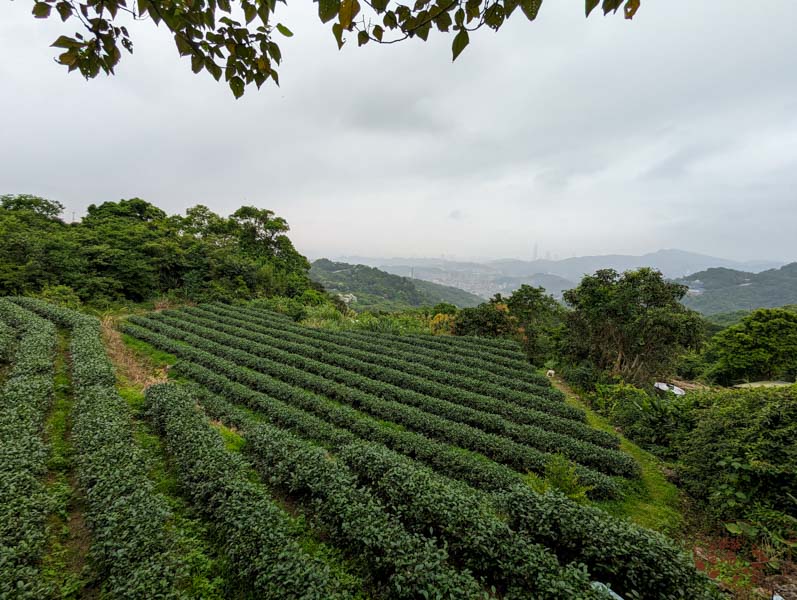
(676, 129)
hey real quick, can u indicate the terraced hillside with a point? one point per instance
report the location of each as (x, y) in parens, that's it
(304, 463)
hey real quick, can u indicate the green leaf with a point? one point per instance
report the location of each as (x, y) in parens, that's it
(284, 30)
(422, 31)
(41, 10)
(64, 9)
(460, 41)
(196, 63)
(473, 10)
(530, 8)
(68, 58)
(733, 528)
(274, 52)
(494, 16)
(250, 12)
(631, 6)
(337, 31)
(390, 20)
(328, 10)
(348, 11)
(443, 21)
(362, 38)
(591, 4)
(237, 86)
(213, 68)
(611, 6)
(380, 5)
(378, 32)
(183, 47)
(65, 42)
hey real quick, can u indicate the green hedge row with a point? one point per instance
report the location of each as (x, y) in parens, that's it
(132, 548)
(435, 359)
(464, 357)
(504, 348)
(257, 536)
(480, 394)
(399, 564)
(474, 536)
(639, 563)
(7, 341)
(334, 425)
(513, 359)
(390, 385)
(24, 502)
(468, 524)
(503, 450)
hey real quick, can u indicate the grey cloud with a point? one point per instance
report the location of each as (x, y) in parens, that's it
(585, 136)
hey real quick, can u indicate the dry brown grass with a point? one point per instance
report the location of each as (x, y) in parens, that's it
(167, 303)
(136, 370)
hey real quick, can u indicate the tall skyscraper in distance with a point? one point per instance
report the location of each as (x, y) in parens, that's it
(536, 250)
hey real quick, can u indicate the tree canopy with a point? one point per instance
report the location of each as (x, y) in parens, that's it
(631, 325)
(237, 40)
(762, 346)
(133, 250)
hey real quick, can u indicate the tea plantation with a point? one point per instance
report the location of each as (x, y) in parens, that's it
(282, 461)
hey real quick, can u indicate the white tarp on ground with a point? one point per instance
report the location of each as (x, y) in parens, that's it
(668, 387)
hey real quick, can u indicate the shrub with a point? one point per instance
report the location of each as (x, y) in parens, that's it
(739, 450)
(62, 295)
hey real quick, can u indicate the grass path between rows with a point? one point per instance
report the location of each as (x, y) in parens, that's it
(65, 564)
(133, 375)
(652, 501)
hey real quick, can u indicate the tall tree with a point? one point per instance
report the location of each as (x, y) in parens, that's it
(245, 51)
(538, 317)
(632, 325)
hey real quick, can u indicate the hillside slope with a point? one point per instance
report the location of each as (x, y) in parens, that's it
(722, 290)
(378, 290)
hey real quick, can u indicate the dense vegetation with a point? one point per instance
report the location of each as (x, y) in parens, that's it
(628, 326)
(725, 290)
(332, 388)
(378, 290)
(733, 450)
(132, 250)
(384, 499)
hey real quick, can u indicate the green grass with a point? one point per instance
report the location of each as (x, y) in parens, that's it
(233, 441)
(158, 358)
(204, 566)
(651, 501)
(63, 565)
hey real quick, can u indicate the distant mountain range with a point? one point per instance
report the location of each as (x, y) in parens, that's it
(722, 290)
(374, 289)
(506, 275)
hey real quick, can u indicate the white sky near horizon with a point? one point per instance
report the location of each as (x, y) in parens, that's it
(583, 136)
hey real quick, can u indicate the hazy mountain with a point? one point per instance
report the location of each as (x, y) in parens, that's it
(506, 275)
(722, 290)
(375, 289)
